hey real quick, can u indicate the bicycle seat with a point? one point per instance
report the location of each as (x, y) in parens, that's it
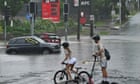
(77, 68)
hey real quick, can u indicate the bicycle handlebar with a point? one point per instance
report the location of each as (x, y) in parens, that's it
(95, 56)
(64, 63)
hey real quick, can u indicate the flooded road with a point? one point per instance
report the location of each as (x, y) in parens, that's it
(124, 66)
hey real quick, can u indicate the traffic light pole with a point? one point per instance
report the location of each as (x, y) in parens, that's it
(66, 10)
(32, 24)
(33, 11)
(66, 31)
(91, 19)
(5, 23)
(5, 29)
(78, 29)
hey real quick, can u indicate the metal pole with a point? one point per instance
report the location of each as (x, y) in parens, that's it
(120, 11)
(138, 5)
(5, 23)
(78, 29)
(91, 20)
(32, 25)
(66, 25)
(5, 30)
(66, 31)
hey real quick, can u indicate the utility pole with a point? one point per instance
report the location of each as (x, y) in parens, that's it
(120, 11)
(5, 21)
(91, 19)
(138, 4)
(33, 10)
(65, 13)
(32, 24)
(78, 29)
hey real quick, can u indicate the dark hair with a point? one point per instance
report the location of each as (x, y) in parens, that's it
(96, 37)
(65, 44)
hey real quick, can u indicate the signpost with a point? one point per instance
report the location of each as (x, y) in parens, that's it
(82, 19)
(66, 13)
(91, 25)
(5, 22)
(32, 12)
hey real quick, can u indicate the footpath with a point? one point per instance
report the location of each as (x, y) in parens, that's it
(2, 44)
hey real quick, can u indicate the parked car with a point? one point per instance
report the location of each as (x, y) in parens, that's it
(51, 38)
(31, 44)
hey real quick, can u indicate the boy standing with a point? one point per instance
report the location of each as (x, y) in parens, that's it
(99, 51)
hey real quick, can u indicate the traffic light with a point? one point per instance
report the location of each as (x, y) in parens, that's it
(7, 14)
(7, 11)
(33, 7)
(66, 8)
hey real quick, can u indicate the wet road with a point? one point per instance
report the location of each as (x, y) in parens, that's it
(39, 69)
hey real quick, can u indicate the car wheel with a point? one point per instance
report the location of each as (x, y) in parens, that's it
(45, 51)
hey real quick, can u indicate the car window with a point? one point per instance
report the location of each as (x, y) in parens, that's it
(12, 41)
(31, 41)
(40, 40)
(20, 41)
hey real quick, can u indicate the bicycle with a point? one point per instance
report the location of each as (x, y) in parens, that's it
(81, 77)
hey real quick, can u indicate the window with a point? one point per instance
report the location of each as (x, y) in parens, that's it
(31, 41)
(20, 41)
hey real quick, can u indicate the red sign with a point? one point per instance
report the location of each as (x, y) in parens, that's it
(83, 20)
(51, 10)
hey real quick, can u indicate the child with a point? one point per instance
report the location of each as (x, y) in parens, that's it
(99, 51)
(68, 60)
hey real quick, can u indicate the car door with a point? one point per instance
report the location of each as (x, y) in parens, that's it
(22, 46)
(33, 45)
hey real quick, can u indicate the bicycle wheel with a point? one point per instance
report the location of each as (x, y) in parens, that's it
(84, 77)
(60, 77)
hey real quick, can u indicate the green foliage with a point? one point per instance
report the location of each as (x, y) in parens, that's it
(44, 26)
(15, 6)
(19, 28)
(41, 26)
(102, 9)
(1, 29)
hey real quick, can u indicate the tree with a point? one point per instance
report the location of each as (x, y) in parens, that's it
(15, 6)
(101, 9)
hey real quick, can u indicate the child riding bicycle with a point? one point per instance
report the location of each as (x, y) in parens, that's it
(68, 60)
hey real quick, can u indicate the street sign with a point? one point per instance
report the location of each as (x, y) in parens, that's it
(51, 10)
(85, 3)
(83, 20)
(76, 3)
(91, 17)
